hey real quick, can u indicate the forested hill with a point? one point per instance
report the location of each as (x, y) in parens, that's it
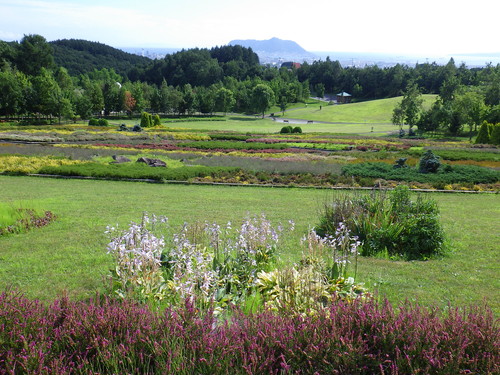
(82, 56)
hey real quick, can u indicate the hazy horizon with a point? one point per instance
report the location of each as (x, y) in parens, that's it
(427, 28)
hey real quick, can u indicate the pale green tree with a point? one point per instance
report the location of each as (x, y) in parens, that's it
(408, 111)
(224, 100)
(262, 98)
(470, 108)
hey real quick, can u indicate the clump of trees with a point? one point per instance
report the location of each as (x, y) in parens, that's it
(223, 79)
(35, 81)
(466, 99)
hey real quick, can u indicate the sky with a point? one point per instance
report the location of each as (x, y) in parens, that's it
(404, 27)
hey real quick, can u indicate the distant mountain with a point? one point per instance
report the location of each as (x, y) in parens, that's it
(82, 56)
(275, 50)
(273, 45)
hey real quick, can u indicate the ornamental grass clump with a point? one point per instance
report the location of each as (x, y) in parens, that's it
(390, 224)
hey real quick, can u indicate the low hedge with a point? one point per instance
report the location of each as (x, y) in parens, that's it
(233, 145)
(445, 175)
(137, 171)
(452, 155)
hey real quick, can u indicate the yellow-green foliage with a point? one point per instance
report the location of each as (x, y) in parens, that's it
(31, 164)
(305, 289)
(8, 215)
(186, 136)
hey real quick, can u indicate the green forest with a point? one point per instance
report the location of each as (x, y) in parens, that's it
(43, 82)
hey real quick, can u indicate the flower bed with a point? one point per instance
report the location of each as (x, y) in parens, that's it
(104, 336)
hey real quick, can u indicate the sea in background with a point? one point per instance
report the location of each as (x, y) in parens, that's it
(347, 59)
(359, 59)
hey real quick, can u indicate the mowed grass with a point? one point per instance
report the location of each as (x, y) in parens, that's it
(253, 125)
(369, 112)
(70, 256)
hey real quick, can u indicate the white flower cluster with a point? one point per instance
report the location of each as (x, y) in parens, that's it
(197, 262)
(339, 249)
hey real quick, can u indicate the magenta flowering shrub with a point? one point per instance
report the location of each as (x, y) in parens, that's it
(105, 336)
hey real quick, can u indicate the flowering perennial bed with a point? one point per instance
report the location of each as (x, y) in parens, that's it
(104, 336)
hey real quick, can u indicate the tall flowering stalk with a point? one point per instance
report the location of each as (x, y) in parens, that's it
(337, 252)
(190, 264)
(137, 254)
(205, 263)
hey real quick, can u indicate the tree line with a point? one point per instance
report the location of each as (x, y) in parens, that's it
(203, 81)
(225, 79)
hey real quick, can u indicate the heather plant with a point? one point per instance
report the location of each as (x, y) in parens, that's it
(105, 336)
(233, 145)
(32, 164)
(17, 220)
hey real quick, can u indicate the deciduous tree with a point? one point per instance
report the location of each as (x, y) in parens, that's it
(224, 100)
(408, 111)
(262, 98)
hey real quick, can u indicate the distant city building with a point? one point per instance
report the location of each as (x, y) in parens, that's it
(343, 97)
(291, 65)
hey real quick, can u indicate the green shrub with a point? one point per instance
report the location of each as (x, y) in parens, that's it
(495, 135)
(445, 175)
(429, 163)
(233, 145)
(102, 122)
(156, 120)
(459, 154)
(483, 137)
(286, 129)
(146, 120)
(229, 137)
(297, 129)
(93, 122)
(392, 223)
(137, 171)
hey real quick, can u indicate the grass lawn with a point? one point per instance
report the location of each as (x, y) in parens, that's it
(258, 125)
(69, 254)
(369, 112)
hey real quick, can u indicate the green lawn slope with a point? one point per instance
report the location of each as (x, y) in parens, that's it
(70, 253)
(369, 112)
